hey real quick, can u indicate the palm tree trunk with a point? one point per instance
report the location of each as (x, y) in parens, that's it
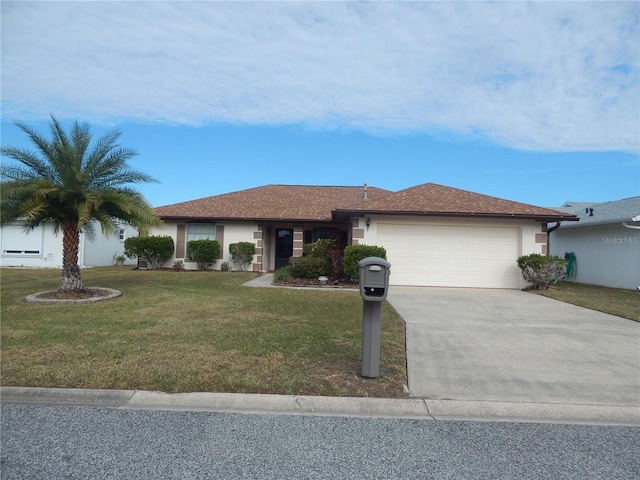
(71, 281)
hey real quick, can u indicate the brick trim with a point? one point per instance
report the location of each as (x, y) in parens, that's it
(298, 240)
(258, 237)
(357, 233)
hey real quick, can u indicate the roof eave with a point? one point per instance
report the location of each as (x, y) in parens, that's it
(584, 224)
(541, 218)
(187, 218)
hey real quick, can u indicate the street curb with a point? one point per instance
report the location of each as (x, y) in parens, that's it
(414, 408)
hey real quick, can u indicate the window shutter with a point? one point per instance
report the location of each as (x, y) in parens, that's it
(220, 239)
(180, 241)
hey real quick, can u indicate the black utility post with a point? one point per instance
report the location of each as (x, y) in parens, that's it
(374, 284)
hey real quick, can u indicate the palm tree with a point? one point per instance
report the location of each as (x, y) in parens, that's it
(73, 182)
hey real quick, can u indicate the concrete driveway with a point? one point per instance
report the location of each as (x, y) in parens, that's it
(513, 346)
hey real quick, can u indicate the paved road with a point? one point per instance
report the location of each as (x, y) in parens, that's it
(41, 442)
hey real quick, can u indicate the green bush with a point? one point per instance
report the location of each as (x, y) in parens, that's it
(154, 250)
(321, 249)
(242, 254)
(541, 270)
(354, 253)
(283, 275)
(336, 262)
(308, 267)
(204, 251)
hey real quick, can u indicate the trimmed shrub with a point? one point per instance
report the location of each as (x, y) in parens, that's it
(354, 253)
(242, 254)
(204, 252)
(154, 250)
(541, 270)
(308, 267)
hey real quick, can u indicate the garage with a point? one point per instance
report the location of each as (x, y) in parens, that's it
(451, 255)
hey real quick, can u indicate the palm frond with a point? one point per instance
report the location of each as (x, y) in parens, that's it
(44, 146)
(32, 164)
(72, 181)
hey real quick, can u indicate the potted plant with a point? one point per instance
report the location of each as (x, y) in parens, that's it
(118, 260)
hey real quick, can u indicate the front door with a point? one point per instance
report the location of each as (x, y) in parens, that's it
(284, 246)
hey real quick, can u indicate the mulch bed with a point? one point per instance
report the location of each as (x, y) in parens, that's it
(84, 294)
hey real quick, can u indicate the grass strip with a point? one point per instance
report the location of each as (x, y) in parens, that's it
(615, 301)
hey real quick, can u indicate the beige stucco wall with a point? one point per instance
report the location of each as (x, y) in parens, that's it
(233, 232)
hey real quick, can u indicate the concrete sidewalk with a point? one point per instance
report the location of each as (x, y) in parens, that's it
(265, 281)
(424, 409)
(481, 345)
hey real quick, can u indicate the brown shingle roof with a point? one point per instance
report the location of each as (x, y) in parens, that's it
(272, 202)
(300, 202)
(433, 199)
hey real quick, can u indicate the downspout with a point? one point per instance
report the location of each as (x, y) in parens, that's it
(549, 230)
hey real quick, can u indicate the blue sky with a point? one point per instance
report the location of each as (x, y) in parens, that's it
(537, 102)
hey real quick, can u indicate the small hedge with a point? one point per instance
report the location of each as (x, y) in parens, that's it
(204, 251)
(308, 267)
(354, 253)
(154, 250)
(541, 270)
(242, 254)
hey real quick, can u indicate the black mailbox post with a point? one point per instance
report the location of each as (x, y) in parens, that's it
(374, 285)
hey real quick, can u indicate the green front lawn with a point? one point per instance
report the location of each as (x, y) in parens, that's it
(623, 303)
(193, 331)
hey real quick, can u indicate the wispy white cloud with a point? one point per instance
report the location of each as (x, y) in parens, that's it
(536, 76)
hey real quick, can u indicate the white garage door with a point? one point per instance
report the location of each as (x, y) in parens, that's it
(451, 256)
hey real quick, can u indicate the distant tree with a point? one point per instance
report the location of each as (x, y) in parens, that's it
(71, 181)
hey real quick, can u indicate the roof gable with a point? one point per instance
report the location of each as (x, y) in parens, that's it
(434, 199)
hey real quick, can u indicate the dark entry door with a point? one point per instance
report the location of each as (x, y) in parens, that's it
(284, 246)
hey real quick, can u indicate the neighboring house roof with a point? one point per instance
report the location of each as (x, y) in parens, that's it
(298, 202)
(625, 210)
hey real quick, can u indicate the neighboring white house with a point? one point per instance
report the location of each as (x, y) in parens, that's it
(42, 247)
(434, 235)
(605, 242)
